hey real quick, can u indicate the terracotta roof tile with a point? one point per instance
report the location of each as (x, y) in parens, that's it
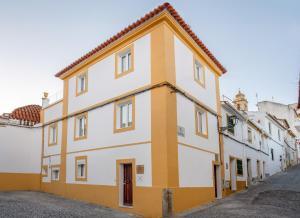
(29, 113)
(159, 9)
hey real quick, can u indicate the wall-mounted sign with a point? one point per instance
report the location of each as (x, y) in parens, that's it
(181, 131)
(139, 169)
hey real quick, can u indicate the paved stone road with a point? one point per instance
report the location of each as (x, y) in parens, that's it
(42, 205)
(278, 196)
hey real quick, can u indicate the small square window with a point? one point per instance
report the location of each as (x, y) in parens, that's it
(124, 62)
(199, 73)
(270, 128)
(81, 168)
(230, 124)
(250, 135)
(81, 126)
(55, 170)
(44, 171)
(81, 83)
(201, 122)
(124, 115)
(52, 134)
(272, 154)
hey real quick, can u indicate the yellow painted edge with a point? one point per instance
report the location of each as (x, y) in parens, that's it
(118, 163)
(197, 132)
(102, 148)
(56, 128)
(85, 74)
(117, 54)
(195, 58)
(55, 166)
(132, 127)
(82, 179)
(139, 32)
(76, 138)
(45, 167)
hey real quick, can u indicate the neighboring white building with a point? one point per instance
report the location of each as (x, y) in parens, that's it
(284, 112)
(245, 149)
(20, 149)
(256, 144)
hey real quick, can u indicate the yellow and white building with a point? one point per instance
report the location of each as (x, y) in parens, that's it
(137, 128)
(140, 127)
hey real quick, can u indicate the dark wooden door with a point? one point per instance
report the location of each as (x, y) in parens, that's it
(127, 185)
(215, 181)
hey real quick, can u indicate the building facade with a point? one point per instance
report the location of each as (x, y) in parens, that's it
(137, 128)
(141, 127)
(20, 149)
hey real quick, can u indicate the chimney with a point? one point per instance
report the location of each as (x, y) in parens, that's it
(45, 100)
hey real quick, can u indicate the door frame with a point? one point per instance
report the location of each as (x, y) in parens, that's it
(218, 179)
(119, 181)
(258, 169)
(249, 171)
(233, 182)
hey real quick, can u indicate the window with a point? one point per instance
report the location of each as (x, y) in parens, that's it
(44, 171)
(124, 115)
(201, 122)
(279, 136)
(55, 169)
(81, 84)
(230, 124)
(239, 167)
(270, 128)
(52, 134)
(272, 153)
(199, 73)
(81, 168)
(124, 62)
(80, 127)
(250, 135)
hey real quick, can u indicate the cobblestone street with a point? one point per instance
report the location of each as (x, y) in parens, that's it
(41, 205)
(278, 196)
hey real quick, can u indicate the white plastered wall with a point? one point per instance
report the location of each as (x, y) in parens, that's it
(20, 149)
(52, 113)
(100, 131)
(102, 164)
(184, 65)
(103, 85)
(195, 165)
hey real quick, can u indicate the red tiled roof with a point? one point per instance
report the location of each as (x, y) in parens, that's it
(27, 113)
(159, 9)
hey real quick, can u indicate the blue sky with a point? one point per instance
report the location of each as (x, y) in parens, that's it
(257, 41)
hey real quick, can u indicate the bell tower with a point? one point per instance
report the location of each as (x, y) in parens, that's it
(240, 101)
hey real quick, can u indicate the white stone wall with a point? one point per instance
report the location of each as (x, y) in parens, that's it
(20, 149)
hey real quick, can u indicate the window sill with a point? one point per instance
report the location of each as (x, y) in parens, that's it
(124, 129)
